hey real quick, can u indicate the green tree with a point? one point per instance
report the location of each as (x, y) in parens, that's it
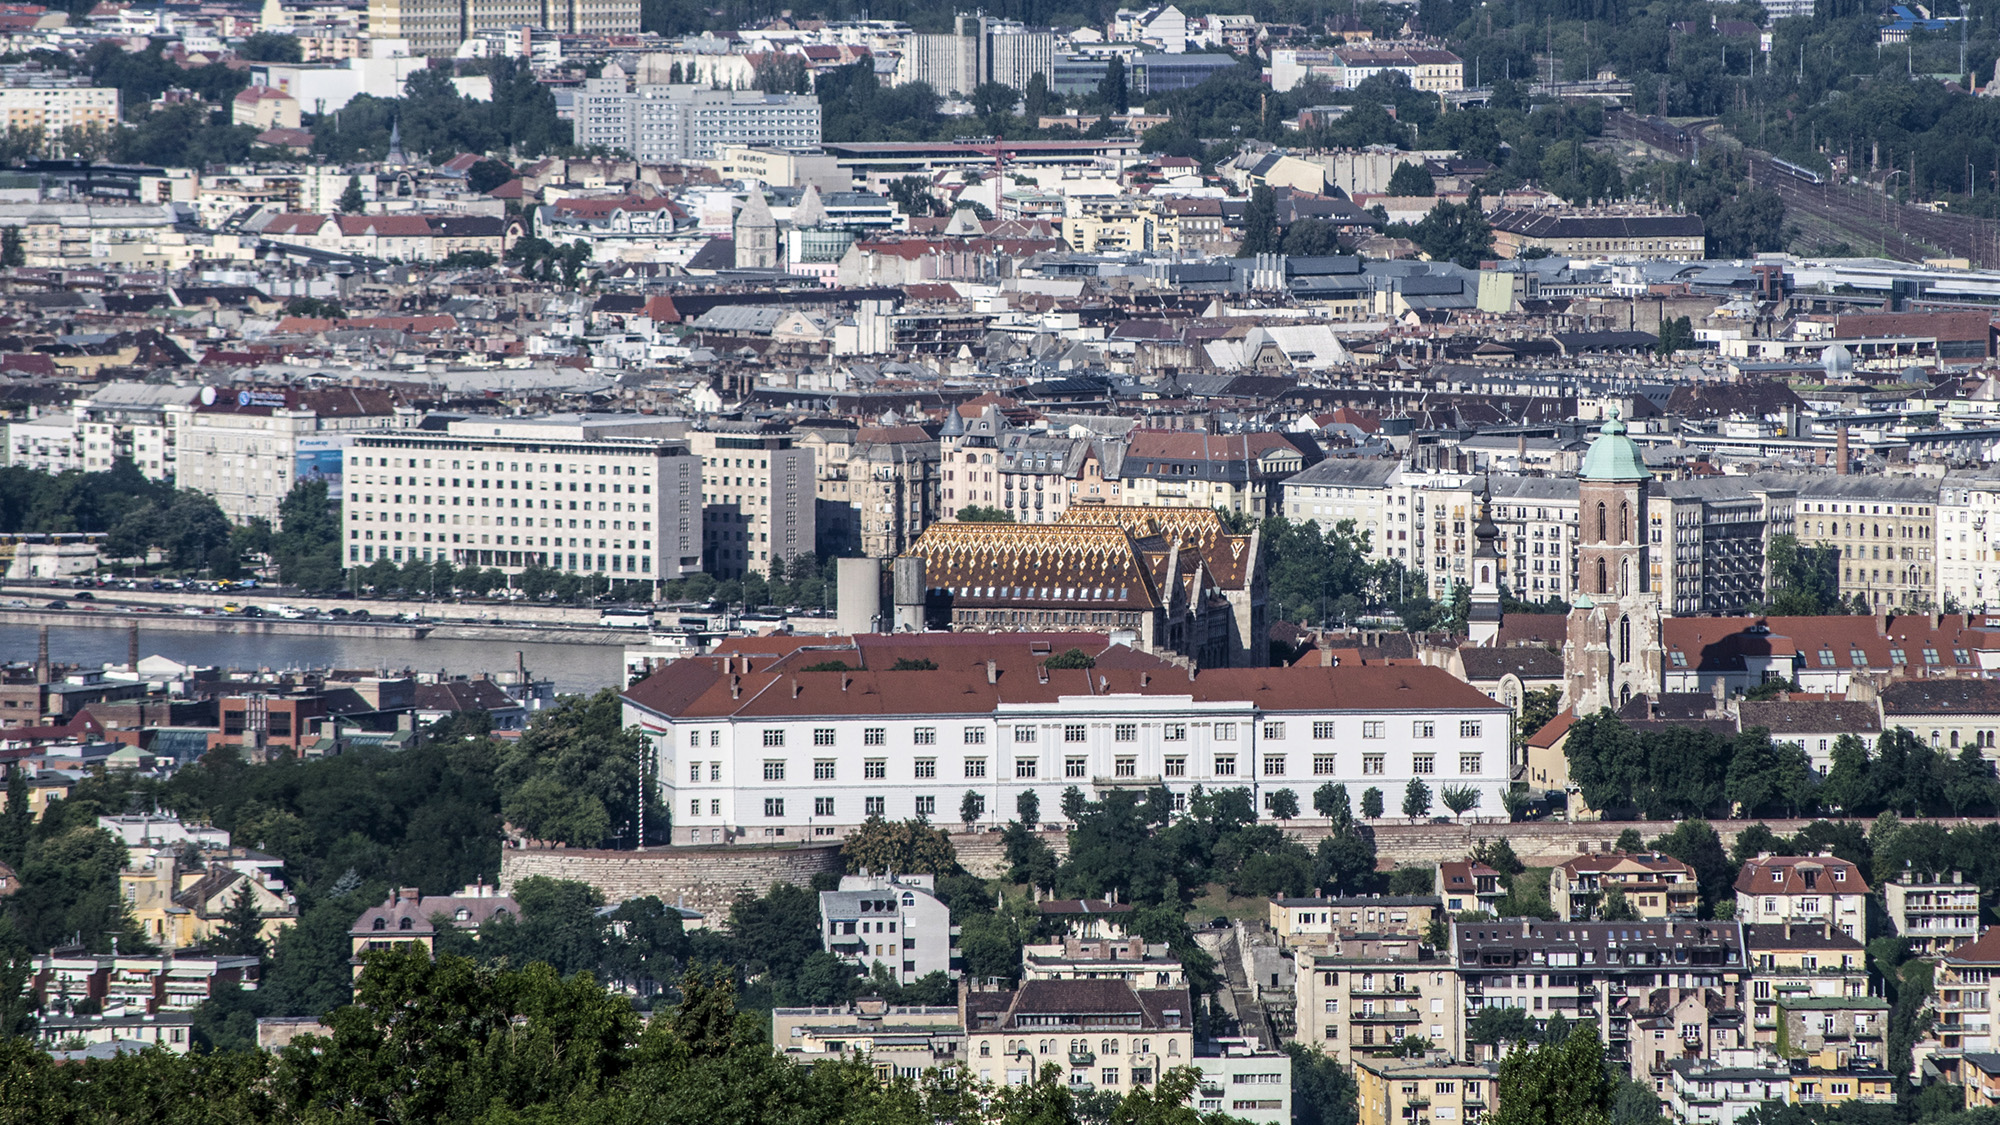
(1330, 801)
(1561, 1083)
(972, 807)
(1695, 843)
(973, 513)
(13, 251)
(352, 202)
(1112, 90)
(1804, 581)
(1676, 334)
(1283, 804)
(1028, 807)
(572, 777)
(1323, 1091)
(271, 46)
(1412, 178)
(242, 932)
(487, 174)
(1617, 907)
(1416, 799)
(1371, 802)
(1460, 799)
(1070, 658)
(1260, 222)
(902, 847)
(1454, 232)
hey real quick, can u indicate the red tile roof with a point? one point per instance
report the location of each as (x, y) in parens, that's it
(1799, 875)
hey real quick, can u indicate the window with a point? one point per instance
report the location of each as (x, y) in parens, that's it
(874, 769)
(1274, 731)
(1177, 732)
(1075, 732)
(924, 736)
(926, 806)
(1373, 729)
(1225, 765)
(1372, 763)
(774, 738)
(1125, 732)
(873, 806)
(1323, 765)
(1468, 763)
(1225, 732)
(1468, 729)
(1024, 767)
(774, 771)
(1322, 730)
(1897, 658)
(1075, 767)
(1176, 767)
(975, 736)
(823, 769)
(822, 806)
(1024, 734)
(874, 736)
(975, 767)
(774, 806)
(1423, 763)
(1423, 730)
(925, 767)
(1930, 656)
(822, 736)
(1126, 766)
(1274, 765)
(694, 771)
(1109, 1075)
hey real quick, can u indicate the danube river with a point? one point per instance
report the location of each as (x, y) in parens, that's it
(573, 668)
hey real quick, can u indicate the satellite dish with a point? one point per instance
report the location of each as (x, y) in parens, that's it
(208, 396)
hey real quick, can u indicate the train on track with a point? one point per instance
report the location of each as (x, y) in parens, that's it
(1798, 171)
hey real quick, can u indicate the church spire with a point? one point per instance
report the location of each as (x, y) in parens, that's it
(1483, 624)
(396, 157)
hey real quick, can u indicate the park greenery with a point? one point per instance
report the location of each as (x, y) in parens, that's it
(1693, 771)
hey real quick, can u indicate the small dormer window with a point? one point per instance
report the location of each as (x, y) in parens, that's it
(381, 923)
(407, 924)
(1777, 876)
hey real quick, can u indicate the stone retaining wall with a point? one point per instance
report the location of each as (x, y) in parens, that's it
(700, 878)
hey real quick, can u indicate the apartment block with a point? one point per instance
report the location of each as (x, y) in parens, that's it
(1361, 996)
(1885, 530)
(894, 921)
(243, 446)
(1393, 1091)
(53, 109)
(1320, 920)
(605, 495)
(1654, 886)
(436, 27)
(760, 502)
(1103, 1034)
(1816, 888)
(1934, 914)
(679, 122)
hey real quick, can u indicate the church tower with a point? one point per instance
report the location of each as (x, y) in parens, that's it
(1613, 649)
(1483, 624)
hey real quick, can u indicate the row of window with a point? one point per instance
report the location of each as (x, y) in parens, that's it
(1223, 765)
(1080, 732)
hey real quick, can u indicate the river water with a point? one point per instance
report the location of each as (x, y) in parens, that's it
(573, 668)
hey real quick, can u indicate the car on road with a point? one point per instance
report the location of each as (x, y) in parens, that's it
(84, 596)
(18, 603)
(359, 615)
(58, 604)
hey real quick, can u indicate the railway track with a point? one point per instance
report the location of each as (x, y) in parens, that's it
(1866, 220)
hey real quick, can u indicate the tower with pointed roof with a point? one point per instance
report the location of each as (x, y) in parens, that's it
(756, 235)
(1483, 624)
(1613, 648)
(396, 159)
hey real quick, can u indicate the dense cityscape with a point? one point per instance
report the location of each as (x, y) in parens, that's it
(619, 560)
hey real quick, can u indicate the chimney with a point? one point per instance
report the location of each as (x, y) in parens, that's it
(845, 680)
(795, 687)
(1041, 673)
(735, 687)
(992, 672)
(1840, 451)
(132, 648)
(42, 657)
(1145, 678)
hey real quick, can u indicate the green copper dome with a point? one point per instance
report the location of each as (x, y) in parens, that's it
(1614, 456)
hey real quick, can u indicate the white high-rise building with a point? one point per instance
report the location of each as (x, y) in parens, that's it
(660, 123)
(613, 496)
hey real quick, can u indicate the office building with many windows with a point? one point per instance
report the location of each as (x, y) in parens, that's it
(673, 122)
(610, 496)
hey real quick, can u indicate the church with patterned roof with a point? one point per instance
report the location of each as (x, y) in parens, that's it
(1175, 578)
